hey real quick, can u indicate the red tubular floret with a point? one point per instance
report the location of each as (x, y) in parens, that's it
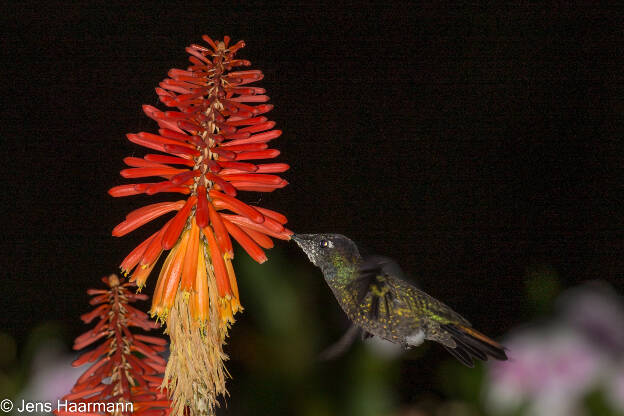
(232, 121)
(255, 187)
(246, 147)
(144, 215)
(221, 276)
(183, 177)
(261, 154)
(237, 206)
(181, 150)
(225, 186)
(254, 177)
(272, 168)
(221, 233)
(237, 136)
(258, 127)
(150, 171)
(273, 214)
(166, 159)
(241, 166)
(123, 190)
(170, 237)
(201, 215)
(246, 242)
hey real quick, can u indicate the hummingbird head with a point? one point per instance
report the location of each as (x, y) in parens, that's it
(331, 252)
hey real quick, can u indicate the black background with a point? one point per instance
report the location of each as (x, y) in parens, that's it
(470, 143)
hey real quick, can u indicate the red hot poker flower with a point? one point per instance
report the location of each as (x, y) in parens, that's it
(209, 148)
(117, 375)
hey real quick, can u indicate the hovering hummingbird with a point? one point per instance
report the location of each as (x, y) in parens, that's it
(373, 293)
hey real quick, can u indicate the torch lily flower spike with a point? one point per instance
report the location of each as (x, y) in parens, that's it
(209, 148)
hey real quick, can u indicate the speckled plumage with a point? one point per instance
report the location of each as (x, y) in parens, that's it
(374, 295)
(390, 307)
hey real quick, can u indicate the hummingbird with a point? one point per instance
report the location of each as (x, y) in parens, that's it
(375, 296)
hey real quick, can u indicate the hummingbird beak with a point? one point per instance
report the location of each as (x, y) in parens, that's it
(297, 239)
(301, 240)
(304, 241)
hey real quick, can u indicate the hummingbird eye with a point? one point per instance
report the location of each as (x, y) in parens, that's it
(324, 243)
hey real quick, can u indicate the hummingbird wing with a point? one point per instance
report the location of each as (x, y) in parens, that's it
(381, 265)
(373, 277)
(342, 345)
(380, 288)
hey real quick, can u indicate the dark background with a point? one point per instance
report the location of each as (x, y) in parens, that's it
(472, 144)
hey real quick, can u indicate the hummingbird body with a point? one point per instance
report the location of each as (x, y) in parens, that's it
(373, 294)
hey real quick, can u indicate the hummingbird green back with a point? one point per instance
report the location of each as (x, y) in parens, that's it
(374, 294)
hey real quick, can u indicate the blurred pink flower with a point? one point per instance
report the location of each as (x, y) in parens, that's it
(52, 374)
(551, 368)
(598, 312)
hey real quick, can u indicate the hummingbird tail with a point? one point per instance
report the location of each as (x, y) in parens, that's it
(470, 344)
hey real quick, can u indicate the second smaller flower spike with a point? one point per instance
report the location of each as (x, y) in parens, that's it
(125, 371)
(209, 145)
